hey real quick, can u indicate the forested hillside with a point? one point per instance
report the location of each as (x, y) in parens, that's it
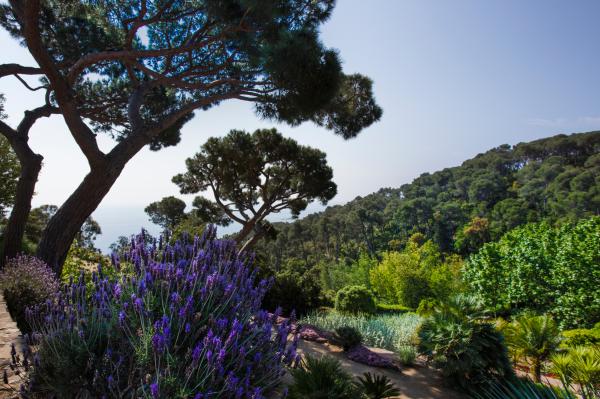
(459, 208)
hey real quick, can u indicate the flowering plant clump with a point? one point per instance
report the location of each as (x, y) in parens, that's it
(26, 281)
(186, 324)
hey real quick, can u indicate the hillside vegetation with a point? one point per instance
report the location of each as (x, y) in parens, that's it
(459, 208)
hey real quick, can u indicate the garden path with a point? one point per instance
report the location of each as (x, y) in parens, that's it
(9, 334)
(419, 382)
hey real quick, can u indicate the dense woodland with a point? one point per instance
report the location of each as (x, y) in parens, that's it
(459, 208)
(438, 219)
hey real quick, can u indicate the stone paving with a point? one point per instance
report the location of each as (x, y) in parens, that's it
(9, 333)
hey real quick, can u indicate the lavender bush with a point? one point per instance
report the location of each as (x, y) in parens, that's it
(186, 324)
(26, 281)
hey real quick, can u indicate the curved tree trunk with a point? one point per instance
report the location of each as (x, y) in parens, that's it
(31, 164)
(536, 370)
(66, 222)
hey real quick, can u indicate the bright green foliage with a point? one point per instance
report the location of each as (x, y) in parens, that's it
(347, 337)
(377, 386)
(580, 337)
(392, 332)
(414, 274)
(355, 299)
(337, 275)
(81, 259)
(322, 378)
(579, 368)
(533, 339)
(521, 389)
(10, 169)
(407, 354)
(468, 351)
(541, 268)
(427, 307)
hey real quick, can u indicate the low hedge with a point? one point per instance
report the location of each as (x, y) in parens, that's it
(580, 337)
(392, 309)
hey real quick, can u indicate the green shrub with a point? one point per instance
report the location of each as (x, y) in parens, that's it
(468, 351)
(579, 368)
(412, 289)
(427, 306)
(355, 299)
(377, 386)
(295, 288)
(580, 337)
(321, 378)
(347, 337)
(542, 268)
(25, 282)
(392, 309)
(407, 354)
(391, 332)
(533, 339)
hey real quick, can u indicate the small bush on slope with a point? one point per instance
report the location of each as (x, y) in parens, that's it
(25, 282)
(355, 299)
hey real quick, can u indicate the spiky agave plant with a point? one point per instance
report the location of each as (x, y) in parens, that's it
(580, 367)
(535, 339)
(377, 386)
(521, 389)
(322, 378)
(468, 352)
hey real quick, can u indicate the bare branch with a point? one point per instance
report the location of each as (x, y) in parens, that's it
(27, 85)
(13, 69)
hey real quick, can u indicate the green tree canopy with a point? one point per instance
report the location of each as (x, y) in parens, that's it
(167, 213)
(542, 268)
(9, 174)
(252, 175)
(459, 208)
(138, 70)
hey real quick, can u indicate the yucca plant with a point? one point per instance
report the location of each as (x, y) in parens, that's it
(580, 367)
(377, 386)
(322, 378)
(469, 352)
(534, 339)
(521, 389)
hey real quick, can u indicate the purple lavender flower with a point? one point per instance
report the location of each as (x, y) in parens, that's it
(197, 305)
(154, 390)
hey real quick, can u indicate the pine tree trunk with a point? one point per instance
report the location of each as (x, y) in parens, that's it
(15, 229)
(66, 223)
(245, 232)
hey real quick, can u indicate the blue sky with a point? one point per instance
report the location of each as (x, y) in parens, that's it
(454, 78)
